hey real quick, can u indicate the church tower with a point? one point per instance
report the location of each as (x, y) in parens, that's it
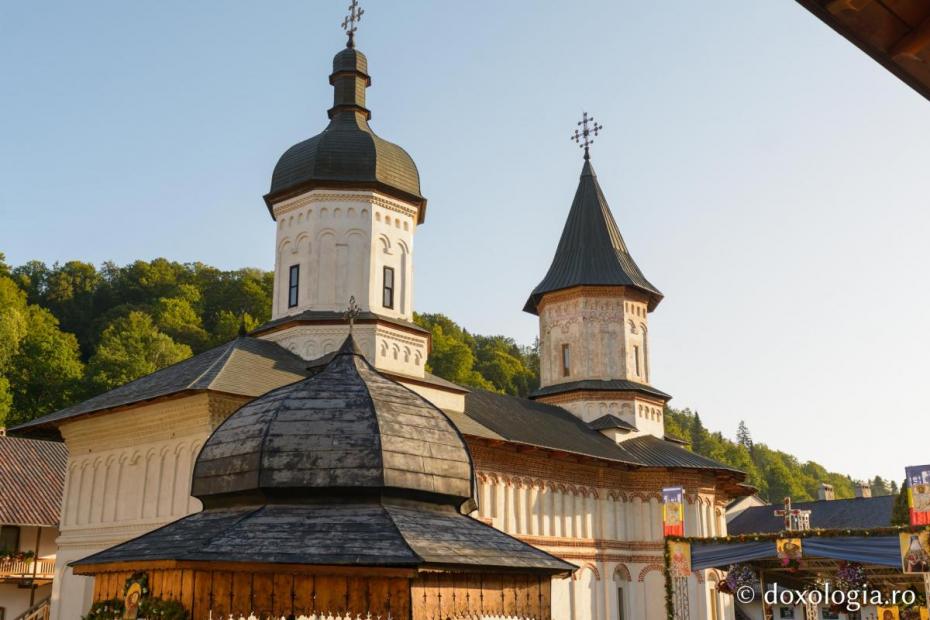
(347, 204)
(593, 307)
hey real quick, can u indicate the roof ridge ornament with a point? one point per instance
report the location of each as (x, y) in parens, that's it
(584, 136)
(350, 21)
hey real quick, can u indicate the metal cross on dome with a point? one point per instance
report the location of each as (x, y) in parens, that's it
(354, 17)
(584, 136)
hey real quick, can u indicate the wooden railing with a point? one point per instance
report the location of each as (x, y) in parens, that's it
(39, 611)
(26, 569)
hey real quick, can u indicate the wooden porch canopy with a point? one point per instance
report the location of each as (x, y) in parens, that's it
(877, 550)
(895, 33)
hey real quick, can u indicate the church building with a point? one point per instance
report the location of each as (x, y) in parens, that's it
(575, 470)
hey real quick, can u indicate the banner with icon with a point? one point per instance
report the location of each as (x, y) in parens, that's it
(888, 613)
(918, 494)
(680, 558)
(788, 549)
(915, 552)
(673, 511)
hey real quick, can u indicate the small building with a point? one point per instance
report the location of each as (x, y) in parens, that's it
(32, 475)
(343, 494)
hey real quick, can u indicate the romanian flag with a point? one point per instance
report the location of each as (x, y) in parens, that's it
(918, 494)
(673, 511)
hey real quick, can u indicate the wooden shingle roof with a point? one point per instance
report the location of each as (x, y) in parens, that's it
(32, 478)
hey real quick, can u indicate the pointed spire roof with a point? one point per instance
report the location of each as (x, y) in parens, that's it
(591, 251)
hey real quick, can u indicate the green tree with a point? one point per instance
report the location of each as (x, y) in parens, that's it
(879, 487)
(46, 373)
(743, 437)
(700, 437)
(901, 514)
(228, 326)
(177, 317)
(132, 347)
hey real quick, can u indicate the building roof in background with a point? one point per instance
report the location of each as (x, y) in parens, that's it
(856, 513)
(32, 478)
(895, 34)
(591, 251)
(245, 366)
(499, 416)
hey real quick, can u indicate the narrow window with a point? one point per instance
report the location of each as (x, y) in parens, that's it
(387, 295)
(636, 360)
(9, 538)
(620, 604)
(293, 285)
(566, 361)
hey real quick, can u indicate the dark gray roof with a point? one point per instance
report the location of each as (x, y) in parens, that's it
(610, 421)
(591, 251)
(32, 477)
(347, 153)
(857, 513)
(245, 366)
(602, 385)
(319, 316)
(410, 534)
(345, 428)
(499, 416)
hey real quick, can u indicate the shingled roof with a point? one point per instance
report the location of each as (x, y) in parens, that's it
(32, 478)
(856, 513)
(344, 468)
(245, 366)
(591, 251)
(510, 418)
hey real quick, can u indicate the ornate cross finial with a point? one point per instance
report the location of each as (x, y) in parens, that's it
(352, 313)
(354, 17)
(584, 136)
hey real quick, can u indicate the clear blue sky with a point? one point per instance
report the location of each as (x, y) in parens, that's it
(769, 178)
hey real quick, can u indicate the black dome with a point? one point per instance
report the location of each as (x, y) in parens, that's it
(347, 153)
(345, 431)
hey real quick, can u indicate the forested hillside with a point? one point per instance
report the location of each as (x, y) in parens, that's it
(69, 331)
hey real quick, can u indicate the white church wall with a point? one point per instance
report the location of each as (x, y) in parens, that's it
(606, 333)
(341, 242)
(126, 479)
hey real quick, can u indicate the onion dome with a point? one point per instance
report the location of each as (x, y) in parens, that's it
(591, 251)
(347, 154)
(346, 431)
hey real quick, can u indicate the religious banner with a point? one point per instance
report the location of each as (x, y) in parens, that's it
(918, 494)
(673, 511)
(915, 552)
(680, 558)
(888, 613)
(789, 550)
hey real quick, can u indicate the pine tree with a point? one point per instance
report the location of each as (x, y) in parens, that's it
(700, 437)
(900, 514)
(743, 437)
